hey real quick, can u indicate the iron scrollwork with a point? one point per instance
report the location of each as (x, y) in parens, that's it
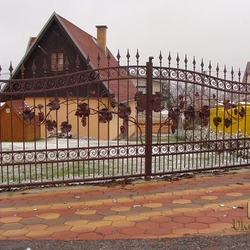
(83, 111)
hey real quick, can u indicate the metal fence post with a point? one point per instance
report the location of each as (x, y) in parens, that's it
(149, 120)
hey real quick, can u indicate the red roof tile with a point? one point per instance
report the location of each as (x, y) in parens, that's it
(124, 89)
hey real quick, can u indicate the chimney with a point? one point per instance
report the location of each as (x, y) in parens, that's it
(101, 36)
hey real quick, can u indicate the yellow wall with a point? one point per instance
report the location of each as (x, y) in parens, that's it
(93, 129)
(157, 124)
(238, 123)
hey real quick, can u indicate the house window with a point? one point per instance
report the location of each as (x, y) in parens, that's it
(57, 61)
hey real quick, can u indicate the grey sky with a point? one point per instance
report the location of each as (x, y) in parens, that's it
(216, 30)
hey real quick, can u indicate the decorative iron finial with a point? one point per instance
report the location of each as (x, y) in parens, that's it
(118, 57)
(77, 63)
(56, 66)
(108, 58)
(98, 59)
(66, 64)
(210, 67)
(169, 59)
(128, 56)
(137, 56)
(194, 63)
(45, 67)
(239, 74)
(202, 65)
(186, 61)
(225, 71)
(22, 68)
(160, 57)
(33, 68)
(11, 68)
(217, 68)
(177, 60)
(232, 73)
(88, 62)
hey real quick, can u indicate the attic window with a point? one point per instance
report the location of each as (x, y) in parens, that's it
(57, 61)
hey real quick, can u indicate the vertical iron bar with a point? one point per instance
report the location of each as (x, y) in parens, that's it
(149, 120)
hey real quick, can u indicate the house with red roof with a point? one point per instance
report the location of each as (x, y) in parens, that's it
(62, 48)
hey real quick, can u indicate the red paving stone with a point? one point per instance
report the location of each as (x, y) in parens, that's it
(203, 205)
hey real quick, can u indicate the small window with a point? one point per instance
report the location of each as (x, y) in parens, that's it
(56, 61)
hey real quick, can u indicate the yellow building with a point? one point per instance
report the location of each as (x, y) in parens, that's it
(231, 121)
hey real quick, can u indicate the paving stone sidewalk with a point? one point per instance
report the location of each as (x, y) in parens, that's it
(157, 209)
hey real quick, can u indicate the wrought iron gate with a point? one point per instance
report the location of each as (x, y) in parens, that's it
(122, 122)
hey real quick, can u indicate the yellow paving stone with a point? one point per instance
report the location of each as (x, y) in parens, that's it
(58, 228)
(151, 213)
(83, 228)
(152, 197)
(14, 233)
(209, 197)
(93, 203)
(49, 215)
(138, 197)
(125, 199)
(7, 209)
(182, 201)
(35, 227)
(86, 211)
(166, 195)
(102, 223)
(137, 218)
(59, 206)
(10, 219)
(120, 209)
(76, 222)
(237, 185)
(236, 194)
(46, 206)
(152, 205)
(114, 217)
(39, 234)
(22, 208)
(182, 209)
(215, 206)
(158, 196)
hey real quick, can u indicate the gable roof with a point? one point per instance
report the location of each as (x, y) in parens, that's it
(18, 106)
(89, 48)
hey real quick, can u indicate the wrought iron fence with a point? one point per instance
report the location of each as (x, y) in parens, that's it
(122, 122)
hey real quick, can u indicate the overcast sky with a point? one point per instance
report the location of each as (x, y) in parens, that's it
(216, 30)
